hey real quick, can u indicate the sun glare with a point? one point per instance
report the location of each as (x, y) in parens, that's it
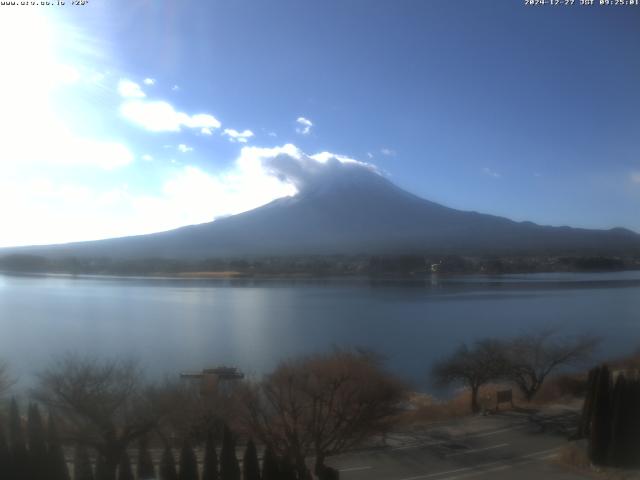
(37, 67)
(27, 49)
(31, 72)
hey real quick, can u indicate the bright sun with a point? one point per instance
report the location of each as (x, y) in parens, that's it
(27, 49)
(37, 67)
(31, 73)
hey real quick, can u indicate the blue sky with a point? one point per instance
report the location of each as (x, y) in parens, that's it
(126, 117)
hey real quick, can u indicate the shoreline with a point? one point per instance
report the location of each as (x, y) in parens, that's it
(238, 275)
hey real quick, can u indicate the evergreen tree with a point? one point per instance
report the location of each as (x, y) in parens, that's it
(633, 439)
(19, 457)
(270, 470)
(229, 468)
(188, 462)
(600, 434)
(56, 462)
(102, 472)
(168, 465)
(81, 464)
(287, 471)
(37, 444)
(124, 467)
(146, 469)
(5, 457)
(210, 466)
(250, 465)
(625, 426)
(619, 418)
(587, 407)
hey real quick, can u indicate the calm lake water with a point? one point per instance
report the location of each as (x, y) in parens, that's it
(174, 325)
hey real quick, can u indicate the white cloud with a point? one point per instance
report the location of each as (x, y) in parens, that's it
(161, 116)
(206, 131)
(184, 148)
(96, 77)
(129, 89)
(46, 211)
(304, 126)
(236, 136)
(369, 155)
(58, 145)
(175, 88)
(147, 158)
(388, 152)
(324, 157)
(201, 197)
(149, 81)
(201, 120)
(106, 155)
(64, 211)
(491, 173)
(292, 166)
(66, 74)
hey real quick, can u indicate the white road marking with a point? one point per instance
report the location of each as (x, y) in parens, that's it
(355, 469)
(466, 452)
(500, 464)
(497, 469)
(495, 432)
(443, 442)
(418, 445)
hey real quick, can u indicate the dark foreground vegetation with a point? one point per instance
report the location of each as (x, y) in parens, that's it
(330, 265)
(113, 425)
(611, 417)
(104, 421)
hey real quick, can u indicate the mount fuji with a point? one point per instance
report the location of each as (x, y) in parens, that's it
(350, 209)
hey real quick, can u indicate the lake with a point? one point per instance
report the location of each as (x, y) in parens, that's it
(174, 325)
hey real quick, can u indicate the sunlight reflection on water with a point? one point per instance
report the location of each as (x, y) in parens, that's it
(172, 325)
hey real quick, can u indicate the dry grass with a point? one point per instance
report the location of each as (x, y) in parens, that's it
(428, 409)
(610, 474)
(558, 390)
(563, 388)
(574, 456)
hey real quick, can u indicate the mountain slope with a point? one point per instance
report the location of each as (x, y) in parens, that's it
(357, 212)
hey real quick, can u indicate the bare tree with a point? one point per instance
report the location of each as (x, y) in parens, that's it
(6, 382)
(101, 403)
(472, 366)
(183, 410)
(533, 356)
(178, 408)
(322, 405)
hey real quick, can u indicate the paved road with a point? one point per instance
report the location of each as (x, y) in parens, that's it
(504, 446)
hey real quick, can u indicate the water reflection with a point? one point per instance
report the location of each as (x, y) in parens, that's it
(174, 325)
